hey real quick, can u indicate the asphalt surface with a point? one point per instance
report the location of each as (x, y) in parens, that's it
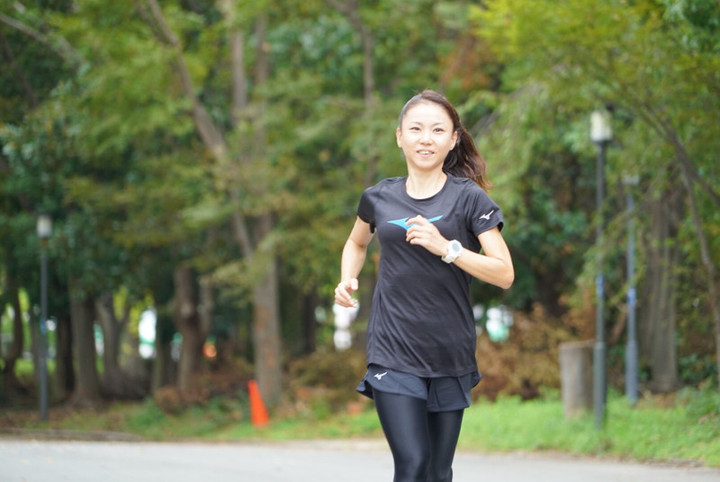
(23, 460)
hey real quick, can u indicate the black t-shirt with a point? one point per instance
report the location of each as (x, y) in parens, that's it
(421, 319)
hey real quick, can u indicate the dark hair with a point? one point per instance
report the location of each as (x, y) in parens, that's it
(463, 160)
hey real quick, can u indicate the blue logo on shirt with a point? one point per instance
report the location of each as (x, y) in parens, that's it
(401, 222)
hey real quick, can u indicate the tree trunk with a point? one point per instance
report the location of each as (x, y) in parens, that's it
(206, 309)
(266, 331)
(116, 381)
(266, 312)
(266, 337)
(657, 119)
(190, 325)
(657, 327)
(689, 177)
(112, 328)
(664, 354)
(87, 386)
(64, 371)
(163, 368)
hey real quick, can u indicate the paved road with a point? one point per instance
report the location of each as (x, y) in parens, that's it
(343, 461)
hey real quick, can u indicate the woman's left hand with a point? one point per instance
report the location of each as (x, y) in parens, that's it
(424, 233)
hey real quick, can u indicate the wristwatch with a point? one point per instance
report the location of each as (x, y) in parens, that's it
(453, 251)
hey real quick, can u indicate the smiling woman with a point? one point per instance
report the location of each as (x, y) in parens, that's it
(426, 136)
(432, 225)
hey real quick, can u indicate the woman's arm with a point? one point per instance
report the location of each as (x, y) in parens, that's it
(353, 258)
(493, 266)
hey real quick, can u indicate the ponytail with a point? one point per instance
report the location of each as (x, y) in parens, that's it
(464, 160)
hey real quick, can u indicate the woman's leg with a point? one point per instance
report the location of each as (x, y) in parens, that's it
(444, 430)
(405, 423)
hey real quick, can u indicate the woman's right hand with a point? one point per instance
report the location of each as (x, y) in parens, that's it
(344, 292)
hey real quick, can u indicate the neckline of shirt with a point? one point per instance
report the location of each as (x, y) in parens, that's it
(429, 198)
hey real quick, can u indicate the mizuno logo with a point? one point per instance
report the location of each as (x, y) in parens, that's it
(401, 222)
(380, 375)
(487, 216)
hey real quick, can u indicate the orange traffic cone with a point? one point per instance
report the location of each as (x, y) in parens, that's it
(258, 413)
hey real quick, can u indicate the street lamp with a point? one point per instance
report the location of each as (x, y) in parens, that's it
(601, 135)
(44, 230)
(631, 350)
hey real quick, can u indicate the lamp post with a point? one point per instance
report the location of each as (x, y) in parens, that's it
(631, 351)
(601, 135)
(44, 230)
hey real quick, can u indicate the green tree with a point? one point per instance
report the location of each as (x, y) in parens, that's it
(654, 63)
(32, 72)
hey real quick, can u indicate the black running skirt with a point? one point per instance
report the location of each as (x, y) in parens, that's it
(443, 394)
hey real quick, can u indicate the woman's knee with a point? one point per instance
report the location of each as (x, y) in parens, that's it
(445, 475)
(404, 421)
(411, 466)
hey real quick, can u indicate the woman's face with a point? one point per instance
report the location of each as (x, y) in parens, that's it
(426, 135)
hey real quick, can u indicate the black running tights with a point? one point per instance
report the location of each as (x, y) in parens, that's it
(422, 443)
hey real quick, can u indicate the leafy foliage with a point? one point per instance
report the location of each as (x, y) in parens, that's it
(96, 128)
(653, 65)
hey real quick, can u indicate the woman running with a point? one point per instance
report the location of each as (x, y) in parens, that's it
(438, 229)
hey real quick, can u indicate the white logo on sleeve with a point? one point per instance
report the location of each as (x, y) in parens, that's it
(380, 375)
(487, 216)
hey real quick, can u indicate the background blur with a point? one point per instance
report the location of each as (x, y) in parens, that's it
(201, 162)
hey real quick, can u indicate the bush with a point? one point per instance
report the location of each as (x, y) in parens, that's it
(523, 364)
(324, 382)
(230, 382)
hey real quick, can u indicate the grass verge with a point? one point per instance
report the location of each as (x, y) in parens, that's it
(652, 431)
(684, 428)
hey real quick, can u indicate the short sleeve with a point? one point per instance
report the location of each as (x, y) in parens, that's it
(484, 213)
(366, 209)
